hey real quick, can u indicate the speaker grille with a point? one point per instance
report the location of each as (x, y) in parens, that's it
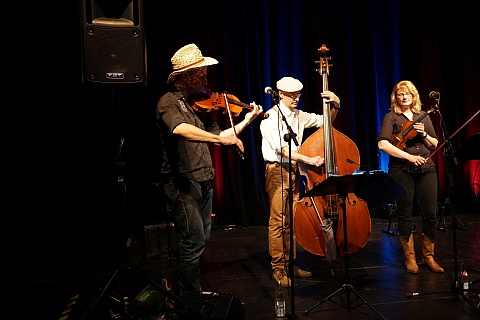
(114, 54)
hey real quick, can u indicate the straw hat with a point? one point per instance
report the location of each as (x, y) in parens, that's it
(289, 84)
(188, 57)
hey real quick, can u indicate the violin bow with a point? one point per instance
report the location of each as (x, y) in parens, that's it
(444, 142)
(231, 121)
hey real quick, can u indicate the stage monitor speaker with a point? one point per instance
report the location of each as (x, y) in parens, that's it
(113, 41)
(215, 306)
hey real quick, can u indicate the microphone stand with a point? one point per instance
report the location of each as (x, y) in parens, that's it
(450, 158)
(291, 270)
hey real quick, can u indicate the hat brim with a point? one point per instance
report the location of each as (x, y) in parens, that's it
(289, 84)
(207, 61)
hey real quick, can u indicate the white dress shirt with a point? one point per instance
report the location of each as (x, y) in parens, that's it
(273, 130)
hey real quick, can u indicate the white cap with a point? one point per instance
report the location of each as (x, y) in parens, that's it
(289, 84)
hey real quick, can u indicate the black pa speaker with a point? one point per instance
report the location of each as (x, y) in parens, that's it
(113, 41)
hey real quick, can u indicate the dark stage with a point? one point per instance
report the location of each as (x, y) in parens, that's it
(64, 244)
(237, 280)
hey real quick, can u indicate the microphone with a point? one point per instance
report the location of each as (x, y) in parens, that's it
(269, 90)
(434, 95)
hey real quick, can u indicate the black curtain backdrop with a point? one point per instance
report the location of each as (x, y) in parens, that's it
(372, 45)
(89, 154)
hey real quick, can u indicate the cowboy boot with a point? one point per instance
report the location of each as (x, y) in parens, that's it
(427, 255)
(409, 251)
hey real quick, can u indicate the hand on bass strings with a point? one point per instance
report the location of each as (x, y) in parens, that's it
(316, 161)
(331, 97)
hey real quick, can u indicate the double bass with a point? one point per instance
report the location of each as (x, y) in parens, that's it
(341, 157)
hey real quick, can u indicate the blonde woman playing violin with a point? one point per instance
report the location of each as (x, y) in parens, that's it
(413, 168)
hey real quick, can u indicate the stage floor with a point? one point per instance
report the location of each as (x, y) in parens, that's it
(237, 271)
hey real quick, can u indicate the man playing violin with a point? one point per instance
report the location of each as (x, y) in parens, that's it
(187, 163)
(410, 164)
(275, 153)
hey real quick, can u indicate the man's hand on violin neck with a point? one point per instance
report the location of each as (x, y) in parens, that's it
(257, 109)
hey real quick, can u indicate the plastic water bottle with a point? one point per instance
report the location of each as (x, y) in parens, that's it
(279, 302)
(126, 303)
(464, 281)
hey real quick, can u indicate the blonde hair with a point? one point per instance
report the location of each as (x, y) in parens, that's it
(410, 87)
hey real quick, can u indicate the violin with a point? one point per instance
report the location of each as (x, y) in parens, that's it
(208, 100)
(407, 133)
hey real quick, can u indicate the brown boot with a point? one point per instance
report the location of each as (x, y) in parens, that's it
(409, 251)
(301, 273)
(280, 276)
(427, 255)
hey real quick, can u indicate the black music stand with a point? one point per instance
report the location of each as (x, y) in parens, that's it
(359, 184)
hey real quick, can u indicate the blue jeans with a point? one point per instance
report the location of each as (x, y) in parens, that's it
(191, 204)
(424, 185)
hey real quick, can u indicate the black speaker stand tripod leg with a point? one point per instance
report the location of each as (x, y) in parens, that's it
(347, 287)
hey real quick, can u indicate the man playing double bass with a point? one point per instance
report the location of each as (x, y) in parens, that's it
(275, 152)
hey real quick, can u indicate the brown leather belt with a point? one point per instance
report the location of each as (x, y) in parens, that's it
(284, 165)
